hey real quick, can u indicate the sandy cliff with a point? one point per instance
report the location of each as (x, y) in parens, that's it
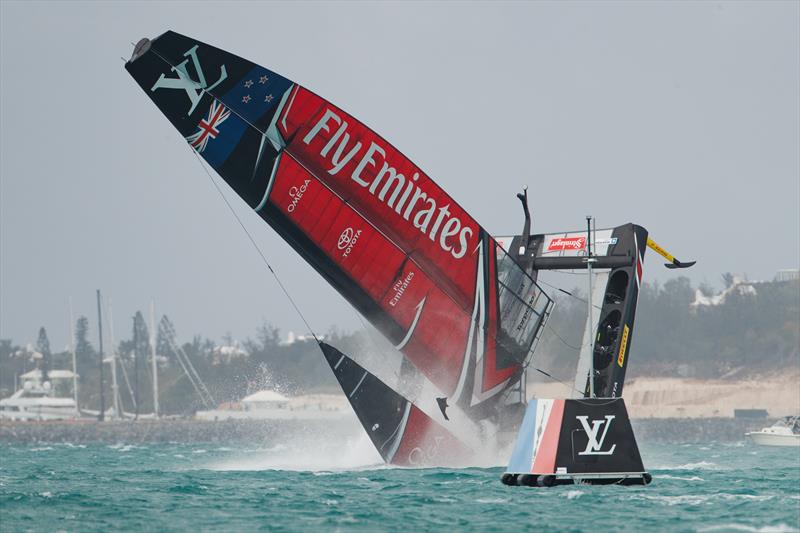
(648, 397)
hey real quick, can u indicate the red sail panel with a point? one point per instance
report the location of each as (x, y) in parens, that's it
(386, 187)
(493, 374)
(410, 209)
(401, 288)
(425, 443)
(437, 342)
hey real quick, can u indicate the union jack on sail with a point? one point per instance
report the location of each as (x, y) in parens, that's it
(209, 127)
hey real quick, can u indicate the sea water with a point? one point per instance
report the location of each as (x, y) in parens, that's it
(322, 487)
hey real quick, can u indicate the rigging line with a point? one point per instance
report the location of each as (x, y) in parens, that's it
(191, 372)
(191, 379)
(127, 382)
(584, 300)
(576, 348)
(557, 380)
(260, 253)
(172, 335)
(570, 272)
(208, 399)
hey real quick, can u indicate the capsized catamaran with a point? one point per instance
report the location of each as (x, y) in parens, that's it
(464, 312)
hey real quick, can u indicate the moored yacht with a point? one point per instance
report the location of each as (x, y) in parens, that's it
(42, 399)
(784, 432)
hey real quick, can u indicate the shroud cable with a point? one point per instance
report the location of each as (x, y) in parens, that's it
(255, 245)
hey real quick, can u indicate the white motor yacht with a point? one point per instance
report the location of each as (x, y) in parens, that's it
(784, 432)
(38, 399)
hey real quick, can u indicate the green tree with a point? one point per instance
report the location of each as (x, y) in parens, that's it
(43, 347)
(140, 350)
(84, 351)
(164, 338)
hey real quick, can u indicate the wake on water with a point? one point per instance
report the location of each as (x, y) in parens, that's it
(314, 453)
(327, 451)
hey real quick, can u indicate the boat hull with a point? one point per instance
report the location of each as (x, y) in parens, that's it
(763, 438)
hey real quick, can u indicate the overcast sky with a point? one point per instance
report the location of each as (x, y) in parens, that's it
(682, 117)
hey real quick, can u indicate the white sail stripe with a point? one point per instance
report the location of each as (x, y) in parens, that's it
(339, 362)
(360, 381)
(638, 260)
(413, 326)
(477, 382)
(265, 199)
(260, 154)
(543, 408)
(272, 132)
(478, 304)
(479, 396)
(401, 427)
(294, 93)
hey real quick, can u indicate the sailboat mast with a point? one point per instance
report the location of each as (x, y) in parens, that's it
(101, 415)
(593, 334)
(135, 368)
(114, 385)
(74, 358)
(153, 357)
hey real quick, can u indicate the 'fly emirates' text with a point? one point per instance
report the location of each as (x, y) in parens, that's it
(404, 196)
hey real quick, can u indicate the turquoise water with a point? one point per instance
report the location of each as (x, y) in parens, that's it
(206, 487)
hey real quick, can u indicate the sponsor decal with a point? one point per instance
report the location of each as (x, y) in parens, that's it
(622, 345)
(600, 242)
(425, 454)
(296, 193)
(522, 323)
(194, 89)
(595, 444)
(566, 243)
(347, 240)
(209, 127)
(396, 191)
(400, 287)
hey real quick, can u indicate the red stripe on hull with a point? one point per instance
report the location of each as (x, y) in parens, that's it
(545, 460)
(426, 443)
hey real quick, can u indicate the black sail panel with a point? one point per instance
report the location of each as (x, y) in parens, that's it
(401, 432)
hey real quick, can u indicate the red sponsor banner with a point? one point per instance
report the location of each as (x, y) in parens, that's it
(566, 243)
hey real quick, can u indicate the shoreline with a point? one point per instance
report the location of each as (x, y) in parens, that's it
(666, 430)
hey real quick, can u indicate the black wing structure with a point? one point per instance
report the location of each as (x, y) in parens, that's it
(401, 432)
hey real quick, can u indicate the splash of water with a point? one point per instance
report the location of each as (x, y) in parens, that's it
(318, 451)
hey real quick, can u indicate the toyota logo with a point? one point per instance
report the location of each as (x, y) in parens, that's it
(345, 238)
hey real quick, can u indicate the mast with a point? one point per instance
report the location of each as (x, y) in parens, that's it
(135, 369)
(589, 261)
(74, 358)
(101, 415)
(153, 357)
(114, 385)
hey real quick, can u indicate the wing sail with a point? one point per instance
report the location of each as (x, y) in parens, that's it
(389, 239)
